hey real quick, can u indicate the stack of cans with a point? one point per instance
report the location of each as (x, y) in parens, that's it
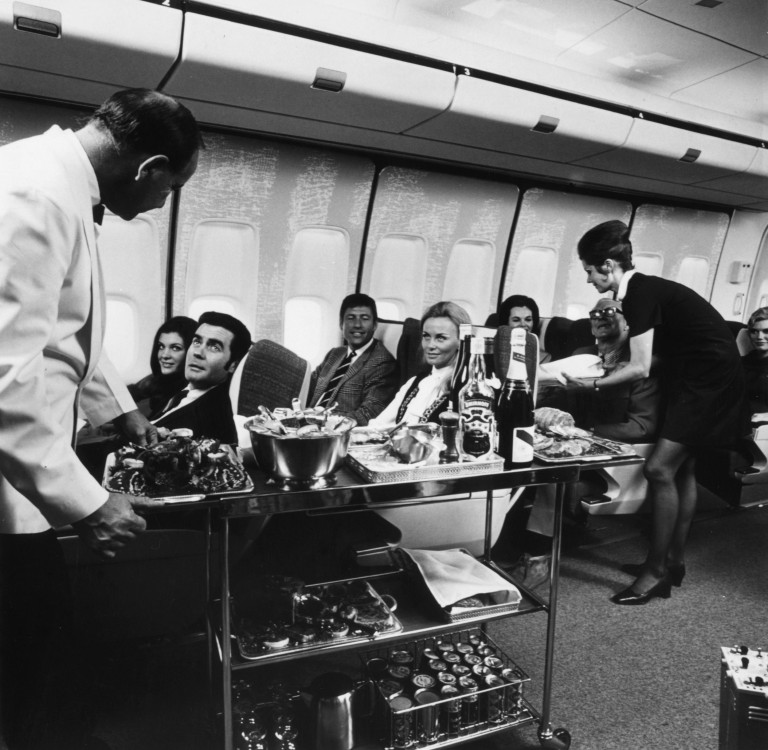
(438, 690)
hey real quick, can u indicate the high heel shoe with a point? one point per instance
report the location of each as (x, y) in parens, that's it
(663, 589)
(675, 573)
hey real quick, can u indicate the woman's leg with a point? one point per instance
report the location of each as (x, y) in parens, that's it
(672, 513)
(686, 490)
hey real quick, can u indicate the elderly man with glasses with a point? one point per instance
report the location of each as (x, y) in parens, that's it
(628, 412)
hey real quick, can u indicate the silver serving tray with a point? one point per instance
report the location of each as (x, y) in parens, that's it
(600, 450)
(136, 486)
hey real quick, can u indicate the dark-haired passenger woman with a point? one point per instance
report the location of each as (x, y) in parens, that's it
(704, 385)
(166, 363)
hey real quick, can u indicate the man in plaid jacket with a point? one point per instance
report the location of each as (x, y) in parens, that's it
(361, 377)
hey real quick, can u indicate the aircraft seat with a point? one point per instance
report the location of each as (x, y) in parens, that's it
(270, 375)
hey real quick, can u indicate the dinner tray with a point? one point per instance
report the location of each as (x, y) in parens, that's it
(132, 481)
(601, 450)
(377, 471)
(249, 631)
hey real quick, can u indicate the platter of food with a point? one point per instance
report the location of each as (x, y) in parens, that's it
(311, 617)
(177, 466)
(408, 453)
(566, 444)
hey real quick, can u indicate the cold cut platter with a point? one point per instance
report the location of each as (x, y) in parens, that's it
(568, 444)
(178, 466)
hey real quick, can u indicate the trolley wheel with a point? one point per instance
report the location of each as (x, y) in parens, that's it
(560, 739)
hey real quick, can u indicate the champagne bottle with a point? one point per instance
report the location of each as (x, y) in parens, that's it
(477, 425)
(460, 374)
(514, 411)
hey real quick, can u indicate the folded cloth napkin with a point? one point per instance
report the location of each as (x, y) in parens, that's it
(577, 366)
(453, 575)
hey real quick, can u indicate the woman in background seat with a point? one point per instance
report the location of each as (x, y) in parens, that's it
(519, 311)
(423, 397)
(756, 362)
(169, 351)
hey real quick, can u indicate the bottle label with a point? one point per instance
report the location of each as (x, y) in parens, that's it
(478, 428)
(522, 445)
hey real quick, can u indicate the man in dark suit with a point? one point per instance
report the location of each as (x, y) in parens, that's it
(204, 407)
(360, 377)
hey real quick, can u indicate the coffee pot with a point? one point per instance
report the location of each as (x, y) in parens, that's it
(330, 699)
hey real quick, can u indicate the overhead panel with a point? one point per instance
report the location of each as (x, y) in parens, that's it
(752, 182)
(490, 115)
(671, 154)
(259, 70)
(82, 51)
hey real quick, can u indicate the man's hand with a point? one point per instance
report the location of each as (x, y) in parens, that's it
(136, 427)
(110, 527)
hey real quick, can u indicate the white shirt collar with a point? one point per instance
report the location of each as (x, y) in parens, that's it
(357, 352)
(622, 290)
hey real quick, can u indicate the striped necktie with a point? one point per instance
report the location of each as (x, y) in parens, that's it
(338, 375)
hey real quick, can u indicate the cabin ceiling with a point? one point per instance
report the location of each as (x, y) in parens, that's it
(709, 54)
(659, 97)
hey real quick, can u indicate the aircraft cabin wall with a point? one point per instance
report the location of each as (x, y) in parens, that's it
(278, 232)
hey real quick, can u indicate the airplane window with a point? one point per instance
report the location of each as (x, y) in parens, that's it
(424, 228)
(694, 272)
(121, 336)
(133, 260)
(316, 281)
(304, 328)
(388, 310)
(223, 268)
(534, 269)
(688, 241)
(551, 221)
(649, 263)
(469, 277)
(297, 213)
(398, 275)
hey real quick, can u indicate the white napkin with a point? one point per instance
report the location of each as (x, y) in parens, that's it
(577, 366)
(453, 575)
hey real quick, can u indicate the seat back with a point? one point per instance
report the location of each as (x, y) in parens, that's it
(269, 375)
(389, 333)
(410, 355)
(743, 342)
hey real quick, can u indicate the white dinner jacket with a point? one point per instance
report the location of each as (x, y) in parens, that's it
(51, 332)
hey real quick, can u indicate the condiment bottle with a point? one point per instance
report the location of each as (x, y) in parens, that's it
(449, 427)
(514, 411)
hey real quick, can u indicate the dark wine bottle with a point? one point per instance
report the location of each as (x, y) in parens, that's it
(514, 410)
(460, 374)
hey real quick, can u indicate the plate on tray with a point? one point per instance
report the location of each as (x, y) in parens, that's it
(177, 466)
(388, 469)
(556, 447)
(321, 616)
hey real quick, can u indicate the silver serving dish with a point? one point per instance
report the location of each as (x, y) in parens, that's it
(305, 461)
(414, 443)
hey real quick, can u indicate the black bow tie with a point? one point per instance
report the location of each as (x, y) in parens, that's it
(98, 213)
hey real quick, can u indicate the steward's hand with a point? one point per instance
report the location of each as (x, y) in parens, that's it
(111, 527)
(136, 428)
